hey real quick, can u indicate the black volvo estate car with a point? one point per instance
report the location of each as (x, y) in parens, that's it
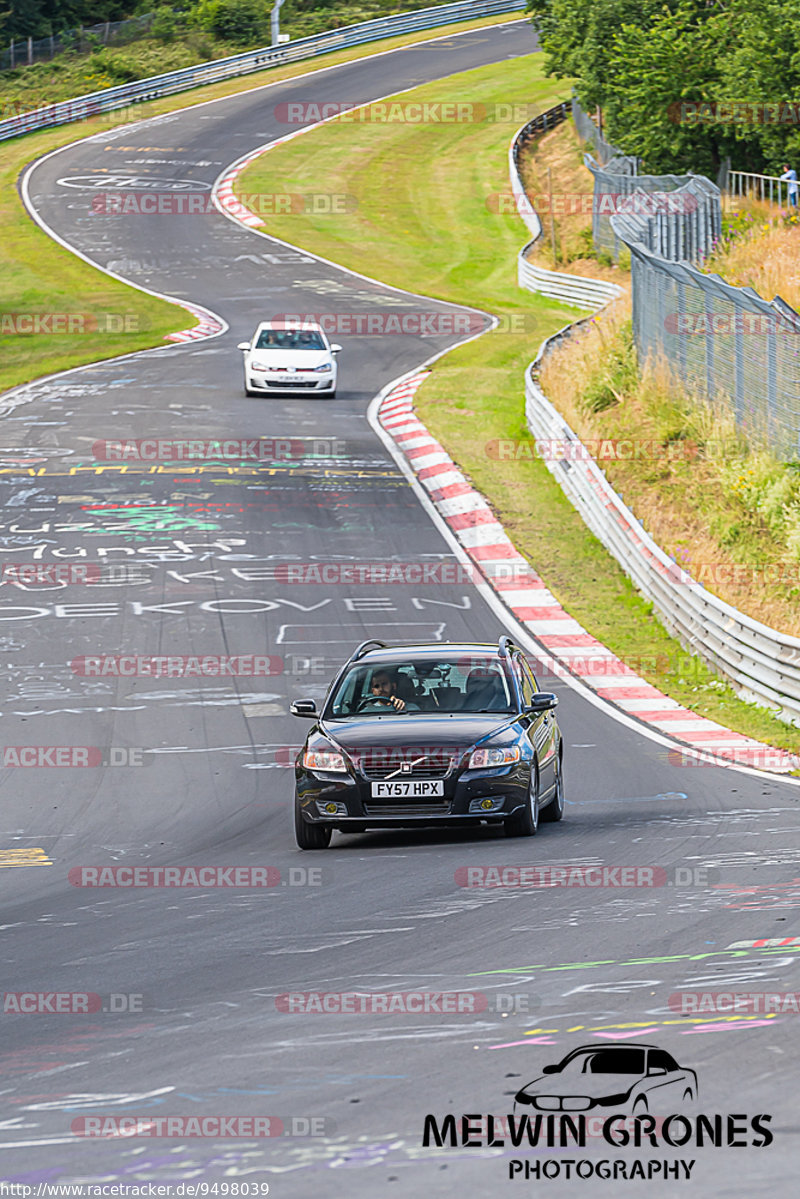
(429, 734)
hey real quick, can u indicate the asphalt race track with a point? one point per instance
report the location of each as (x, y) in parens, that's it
(380, 912)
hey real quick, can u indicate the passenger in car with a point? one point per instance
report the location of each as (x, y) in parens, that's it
(484, 692)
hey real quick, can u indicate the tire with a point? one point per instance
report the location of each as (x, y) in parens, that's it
(310, 836)
(640, 1107)
(688, 1096)
(526, 822)
(555, 809)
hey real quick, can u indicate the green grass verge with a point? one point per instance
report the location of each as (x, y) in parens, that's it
(39, 276)
(422, 222)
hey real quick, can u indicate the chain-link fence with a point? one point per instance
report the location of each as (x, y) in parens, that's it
(678, 216)
(83, 39)
(681, 224)
(588, 132)
(726, 343)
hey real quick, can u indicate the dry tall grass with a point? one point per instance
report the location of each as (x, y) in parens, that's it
(726, 511)
(763, 253)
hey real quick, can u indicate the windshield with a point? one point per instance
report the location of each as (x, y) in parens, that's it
(289, 339)
(606, 1061)
(430, 685)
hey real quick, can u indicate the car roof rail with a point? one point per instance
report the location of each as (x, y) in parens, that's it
(365, 646)
(505, 645)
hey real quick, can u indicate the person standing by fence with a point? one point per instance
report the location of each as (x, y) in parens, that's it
(789, 177)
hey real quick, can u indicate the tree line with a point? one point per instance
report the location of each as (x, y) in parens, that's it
(240, 20)
(683, 84)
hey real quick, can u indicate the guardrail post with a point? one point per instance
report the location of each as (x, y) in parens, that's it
(709, 346)
(772, 386)
(738, 374)
(681, 327)
(275, 22)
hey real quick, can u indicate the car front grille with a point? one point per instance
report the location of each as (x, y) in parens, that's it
(565, 1103)
(380, 764)
(285, 384)
(436, 807)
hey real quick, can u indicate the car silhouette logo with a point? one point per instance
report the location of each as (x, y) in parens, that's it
(633, 1079)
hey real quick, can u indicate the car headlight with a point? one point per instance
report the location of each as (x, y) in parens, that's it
(479, 758)
(259, 366)
(323, 759)
(321, 370)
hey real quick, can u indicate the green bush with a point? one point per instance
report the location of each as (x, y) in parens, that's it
(118, 67)
(165, 25)
(616, 377)
(238, 21)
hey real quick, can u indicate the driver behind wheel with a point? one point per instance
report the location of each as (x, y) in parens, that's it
(383, 688)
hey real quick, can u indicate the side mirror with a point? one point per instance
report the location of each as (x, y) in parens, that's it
(303, 707)
(657, 1070)
(550, 1070)
(243, 345)
(335, 349)
(543, 701)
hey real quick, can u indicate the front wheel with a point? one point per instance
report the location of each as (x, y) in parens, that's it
(310, 836)
(555, 809)
(525, 822)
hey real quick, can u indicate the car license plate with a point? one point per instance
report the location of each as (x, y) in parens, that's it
(408, 789)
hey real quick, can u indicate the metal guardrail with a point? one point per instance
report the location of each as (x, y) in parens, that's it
(113, 98)
(762, 664)
(556, 285)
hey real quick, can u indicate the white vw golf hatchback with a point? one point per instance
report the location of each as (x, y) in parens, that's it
(284, 356)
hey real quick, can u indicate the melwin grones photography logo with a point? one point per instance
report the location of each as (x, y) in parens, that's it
(632, 1097)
